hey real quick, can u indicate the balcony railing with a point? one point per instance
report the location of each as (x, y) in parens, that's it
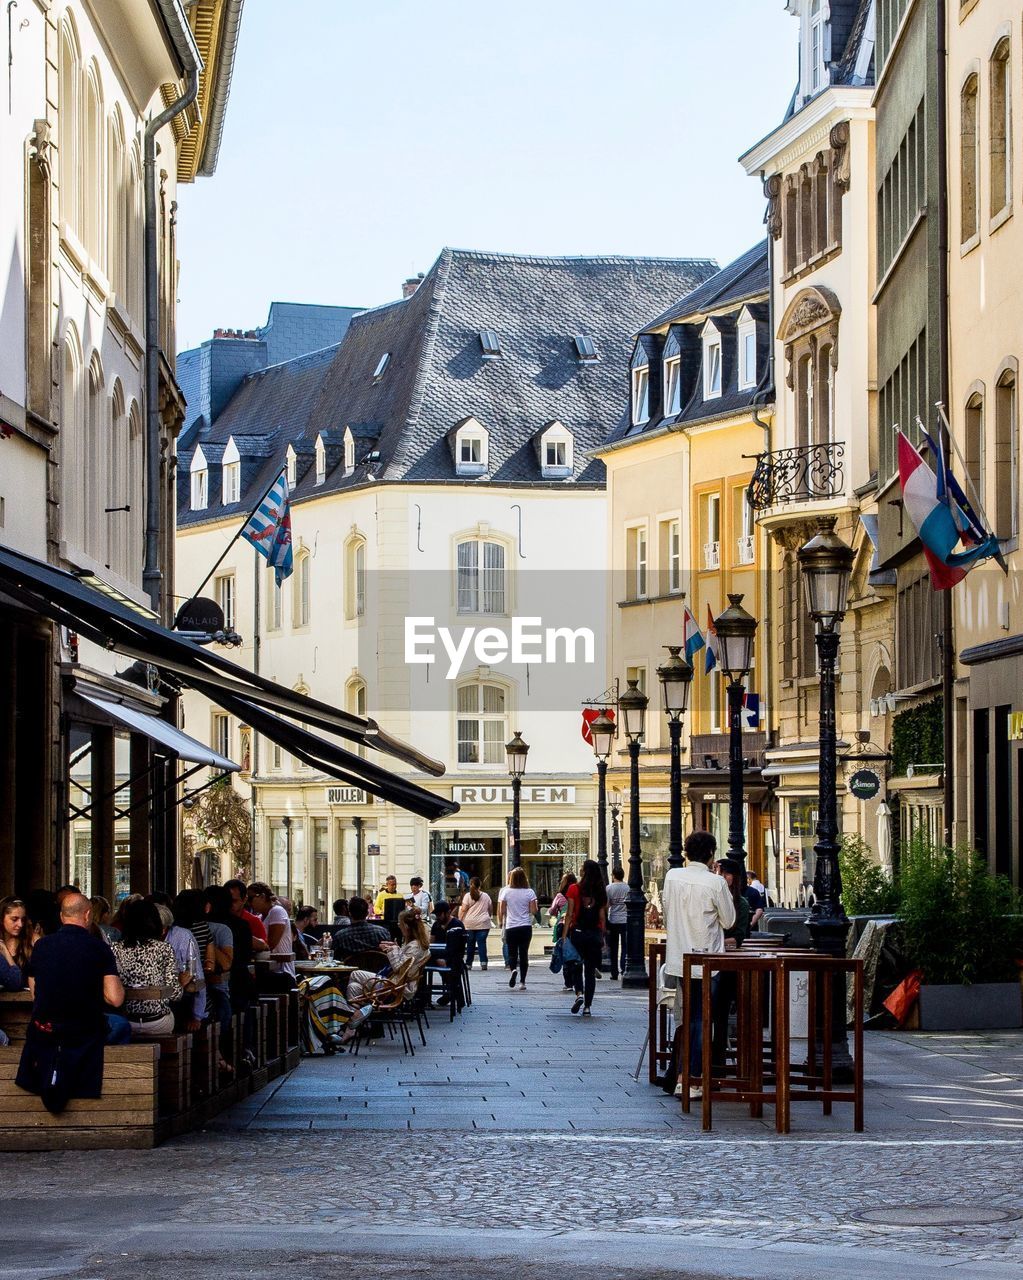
(808, 473)
(712, 555)
(746, 549)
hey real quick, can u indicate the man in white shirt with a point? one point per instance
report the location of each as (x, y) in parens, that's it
(698, 908)
(420, 897)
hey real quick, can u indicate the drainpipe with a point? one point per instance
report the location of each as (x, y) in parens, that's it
(948, 653)
(152, 574)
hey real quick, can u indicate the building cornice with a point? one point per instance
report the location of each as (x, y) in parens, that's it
(808, 128)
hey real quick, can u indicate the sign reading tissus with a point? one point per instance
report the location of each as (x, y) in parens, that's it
(523, 641)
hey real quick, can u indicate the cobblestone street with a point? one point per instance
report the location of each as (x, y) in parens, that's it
(519, 1140)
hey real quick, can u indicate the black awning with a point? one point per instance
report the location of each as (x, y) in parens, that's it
(112, 624)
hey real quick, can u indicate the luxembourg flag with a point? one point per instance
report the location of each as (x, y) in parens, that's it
(269, 529)
(711, 660)
(928, 506)
(692, 636)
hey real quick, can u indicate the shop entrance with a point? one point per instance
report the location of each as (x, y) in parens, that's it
(476, 853)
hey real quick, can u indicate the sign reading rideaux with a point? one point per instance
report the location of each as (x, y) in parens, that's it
(503, 795)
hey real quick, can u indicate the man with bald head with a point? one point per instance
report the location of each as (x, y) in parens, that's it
(73, 978)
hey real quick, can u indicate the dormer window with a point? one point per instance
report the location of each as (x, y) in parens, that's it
(291, 466)
(641, 394)
(711, 362)
(231, 479)
(556, 459)
(472, 448)
(747, 343)
(672, 387)
(490, 344)
(200, 476)
(381, 368)
(815, 48)
(321, 461)
(586, 349)
(349, 451)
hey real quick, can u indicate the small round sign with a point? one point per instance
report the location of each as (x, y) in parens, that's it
(865, 784)
(200, 614)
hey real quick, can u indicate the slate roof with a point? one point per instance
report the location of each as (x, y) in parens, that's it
(436, 375)
(743, 283)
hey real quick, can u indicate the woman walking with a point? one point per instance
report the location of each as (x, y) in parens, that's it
(556, 915)
(516, 907)
(585, 923)
(475, 914)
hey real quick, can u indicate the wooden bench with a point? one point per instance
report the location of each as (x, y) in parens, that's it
(15, 1008)
(125, 1115)
(175, 1093)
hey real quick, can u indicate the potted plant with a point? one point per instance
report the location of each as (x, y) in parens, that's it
(961, 927)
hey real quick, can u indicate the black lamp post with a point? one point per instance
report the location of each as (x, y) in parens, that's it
(633, 704)
(826, 562)
(676, 677)
(516, 750)
(602, 735)
(615, 806)
(735, 631)
(286, 824)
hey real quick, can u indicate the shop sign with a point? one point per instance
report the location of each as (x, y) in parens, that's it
(346, 795)
(864, 784)
(1016, 726)
(503, 795)
(490, 845)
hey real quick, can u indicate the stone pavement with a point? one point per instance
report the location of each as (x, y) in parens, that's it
(518, 1142)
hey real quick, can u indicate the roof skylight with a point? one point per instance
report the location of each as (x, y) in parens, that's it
(385, 360)
(586, 349)
(491, 344)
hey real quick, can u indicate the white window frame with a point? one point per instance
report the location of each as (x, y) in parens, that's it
(714, 703)
(224, 594)
(746, 543)
(274, 605)
(490, 747)
(637, 557)
(481, 577)
(355, 578)
(321, 460)
(232, 483)
(381, 368)
(558, 437)
(712, 361)
(816, 69)
(641, 394)
(747, 329)
(199, 475)
(291, 465)
(674, 556)
(712, 546)
(672, 386)
(349, 451)
(301, 606)
(475, 439)
(221, 733)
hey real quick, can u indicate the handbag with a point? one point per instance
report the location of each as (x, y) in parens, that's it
(569, 952)
(558, 957)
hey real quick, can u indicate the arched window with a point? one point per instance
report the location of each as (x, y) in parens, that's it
(68, 117)
(1000, 127)
(804, 399)
(355, 577)
(117, 485)
(133, 216)
(71, 441)
(301, 601)
(1006, 473)
(481, 576)
(355, 702)
(95, 468)
(93, 175)
(823, 419)
(975, 444)
(116, 227)
(136, 495)
(969, 159)
(482, 723)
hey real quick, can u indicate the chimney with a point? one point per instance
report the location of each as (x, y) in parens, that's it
(411, 285)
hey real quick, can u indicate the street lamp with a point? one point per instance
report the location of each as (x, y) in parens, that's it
(676, 676)
(615, 805)
(826, 562)
(516, 750)
(286, 824)
(602, 734)
(735, 631)
(633, 704)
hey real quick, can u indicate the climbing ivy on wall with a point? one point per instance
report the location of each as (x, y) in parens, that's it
(918, 737)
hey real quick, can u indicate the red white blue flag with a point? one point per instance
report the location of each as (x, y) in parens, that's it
(711, 660)
(692, 636)
(269, 529)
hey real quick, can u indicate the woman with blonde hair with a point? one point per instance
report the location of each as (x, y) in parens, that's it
(516, 907)
(407, 958)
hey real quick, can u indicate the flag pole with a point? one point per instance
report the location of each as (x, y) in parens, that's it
(237, 535)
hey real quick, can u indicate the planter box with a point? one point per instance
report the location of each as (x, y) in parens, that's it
(986, 1006)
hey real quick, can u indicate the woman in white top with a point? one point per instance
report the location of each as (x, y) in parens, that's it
(516, 907)
(475, 914)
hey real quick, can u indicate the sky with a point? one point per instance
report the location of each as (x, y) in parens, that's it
(362, 138)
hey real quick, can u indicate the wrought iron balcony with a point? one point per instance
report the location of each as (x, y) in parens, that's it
(808, 473)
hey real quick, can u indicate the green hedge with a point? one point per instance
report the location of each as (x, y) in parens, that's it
(918, 737)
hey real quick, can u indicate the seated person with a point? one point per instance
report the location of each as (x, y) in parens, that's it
(190, 1010)
(145, 960)
(15, 944)
(415, 946)
(73, 979)
(281, 974)
(341, 915)
(362, 934)
(307, 929)
(447, 928)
